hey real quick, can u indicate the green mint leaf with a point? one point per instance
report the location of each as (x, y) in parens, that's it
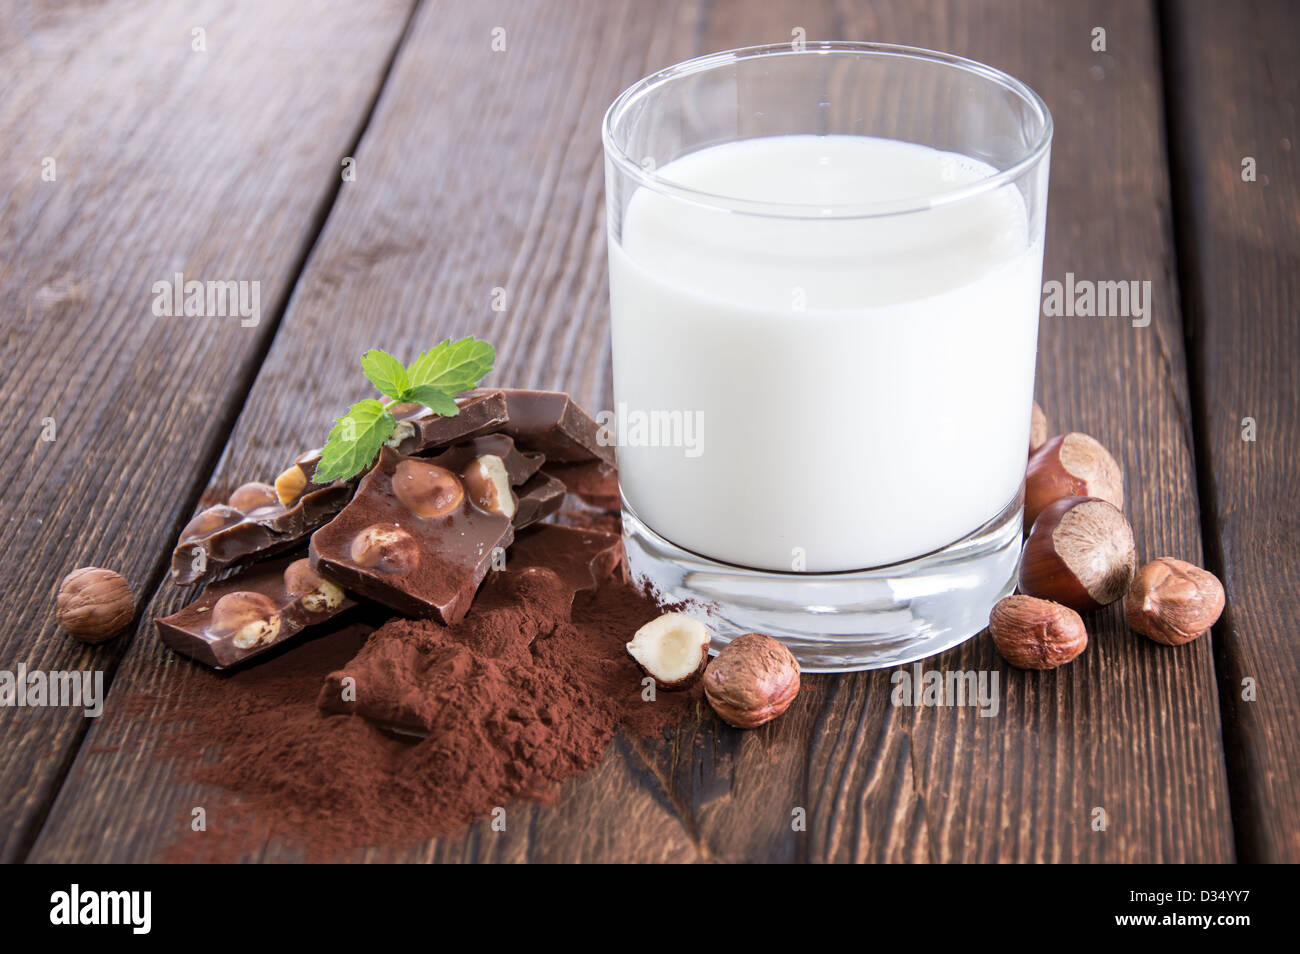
(386, 373)
(354, 441)
(453, 366)
(437, 401)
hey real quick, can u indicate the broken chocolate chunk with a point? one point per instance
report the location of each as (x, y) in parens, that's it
(412, 538)
(549, 422)
(235, 619)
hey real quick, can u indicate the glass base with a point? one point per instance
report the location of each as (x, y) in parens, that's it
(839, 622)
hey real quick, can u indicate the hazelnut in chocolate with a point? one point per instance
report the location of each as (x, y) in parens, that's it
(236, 619)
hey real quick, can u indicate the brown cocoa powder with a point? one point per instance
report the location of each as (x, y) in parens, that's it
(518, 697)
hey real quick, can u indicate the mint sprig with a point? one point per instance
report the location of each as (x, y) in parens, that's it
(433, 380)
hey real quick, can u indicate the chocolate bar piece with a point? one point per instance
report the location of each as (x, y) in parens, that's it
(549, 422)
(244, 616)
(405, 668)
(540, 497)
(420, 533)
(420, 430)
(253, 523)
(259, 520)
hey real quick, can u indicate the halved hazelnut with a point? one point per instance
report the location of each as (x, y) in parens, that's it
(672, 649)
(1071, 465)
(314, 593)
(387, 547)
(253, 495)
(1036, 634)
(752, 681)
(1172, 601)
(1080, 552)
(427, 490)
(290, 485)
(488, 483)
(251, 617)
(210, 521)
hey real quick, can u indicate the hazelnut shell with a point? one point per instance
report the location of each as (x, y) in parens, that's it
(1080, 552)
(1071, 465)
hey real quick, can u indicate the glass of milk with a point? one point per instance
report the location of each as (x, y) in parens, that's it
(825, 264)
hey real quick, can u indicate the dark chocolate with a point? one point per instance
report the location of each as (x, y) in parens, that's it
(549, 422)
(290, 609)
(422, 566)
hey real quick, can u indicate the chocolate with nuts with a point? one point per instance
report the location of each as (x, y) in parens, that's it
(413, 538)
(260, 520)
(235, 619)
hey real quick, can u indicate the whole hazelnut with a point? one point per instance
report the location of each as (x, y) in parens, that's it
(314, 593)
(751, 681)
(1080, 552)
(1037, 428)
(1173, 602)
(386, 547)
(1071, 465)
(253, 496)
(1036, 634)
(94, 604)
(425, 489)
(672, 649)
(251, 617)
(488, 483)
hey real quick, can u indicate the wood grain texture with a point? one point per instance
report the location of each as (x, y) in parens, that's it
(165, 159)
(483, 169)
(1233, 92)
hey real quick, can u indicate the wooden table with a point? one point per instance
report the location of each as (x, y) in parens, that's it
(477, 169)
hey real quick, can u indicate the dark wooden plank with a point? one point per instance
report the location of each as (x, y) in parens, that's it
(217, 164)
(483, 170)
(1232, 90)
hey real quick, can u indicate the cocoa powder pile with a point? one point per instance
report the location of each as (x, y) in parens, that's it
(524, 693)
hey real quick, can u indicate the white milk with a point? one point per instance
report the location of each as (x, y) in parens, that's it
(863, 384)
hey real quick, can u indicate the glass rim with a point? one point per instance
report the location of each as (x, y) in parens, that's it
(653, 180)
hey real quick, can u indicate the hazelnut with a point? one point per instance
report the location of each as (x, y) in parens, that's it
(1037, 428)
(425, 489)
(1173, 602)
(1071, 465)
(1036, 634)
(210, 521)
(387, 547)
(253, 496)
(672, 649)
(753, 680)
(488, 484)
(251, 617)
(1080, 552)
(314, 593)
(290, 485)
(94, 604)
